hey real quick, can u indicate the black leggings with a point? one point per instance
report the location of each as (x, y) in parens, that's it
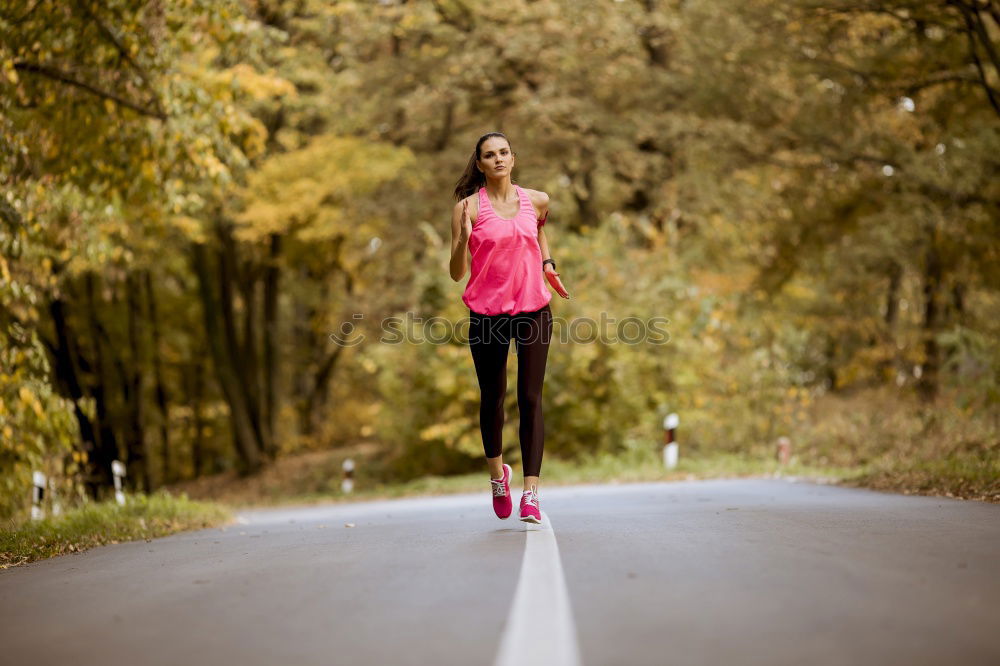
(489, 340)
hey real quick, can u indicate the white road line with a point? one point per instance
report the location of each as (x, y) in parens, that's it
(540, 627)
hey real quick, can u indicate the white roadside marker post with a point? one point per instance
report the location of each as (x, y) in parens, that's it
(347, 485)
(670, 446)
(37, 495)
(118, 471)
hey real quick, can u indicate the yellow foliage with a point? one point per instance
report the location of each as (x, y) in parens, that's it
(256, 85)
(733, 280)
(446, 430)
(313, 190)
(28, 398)
(189, 226)
(800, 291)
(9, 71)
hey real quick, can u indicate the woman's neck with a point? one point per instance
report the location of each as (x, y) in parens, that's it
(501, 189)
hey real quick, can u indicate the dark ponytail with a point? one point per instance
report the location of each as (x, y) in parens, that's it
(472, 178)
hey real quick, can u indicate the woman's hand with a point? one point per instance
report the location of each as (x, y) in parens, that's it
(466, 222)
(553, 278)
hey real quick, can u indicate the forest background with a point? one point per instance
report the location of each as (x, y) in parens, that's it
(197, 193)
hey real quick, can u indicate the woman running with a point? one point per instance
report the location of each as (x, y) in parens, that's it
(501, 224)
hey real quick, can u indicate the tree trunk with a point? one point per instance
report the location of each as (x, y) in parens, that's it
(244, 433)
(243, 354)
(927, 385)
(102, 381)
(272, 284)
(196, 397)
(303, 339)
(134, 399)
(891, 311)
(583, 195)
(98, 474)
(447, 125)
(250, 366)
(654, 38)
(162, 401)
(320, 389)
(830, 362)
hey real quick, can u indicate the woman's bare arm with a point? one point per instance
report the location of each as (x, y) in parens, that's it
(541, 202)
(461, 230)
(543, 243)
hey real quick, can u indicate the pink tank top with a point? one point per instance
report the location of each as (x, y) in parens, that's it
(506, 261)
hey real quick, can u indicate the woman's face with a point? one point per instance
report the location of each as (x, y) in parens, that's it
(495, 158)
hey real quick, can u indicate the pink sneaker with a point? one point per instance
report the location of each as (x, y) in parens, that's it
(530, 513)
(502, 505)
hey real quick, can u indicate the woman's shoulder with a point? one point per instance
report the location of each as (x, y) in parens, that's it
(538, 198)
(473, 201)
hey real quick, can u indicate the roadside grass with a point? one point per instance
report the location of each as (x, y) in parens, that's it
(964, 474)
(949, 448)
(315, 478)
(99, 523)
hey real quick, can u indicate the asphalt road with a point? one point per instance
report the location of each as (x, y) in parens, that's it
(715, 572)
